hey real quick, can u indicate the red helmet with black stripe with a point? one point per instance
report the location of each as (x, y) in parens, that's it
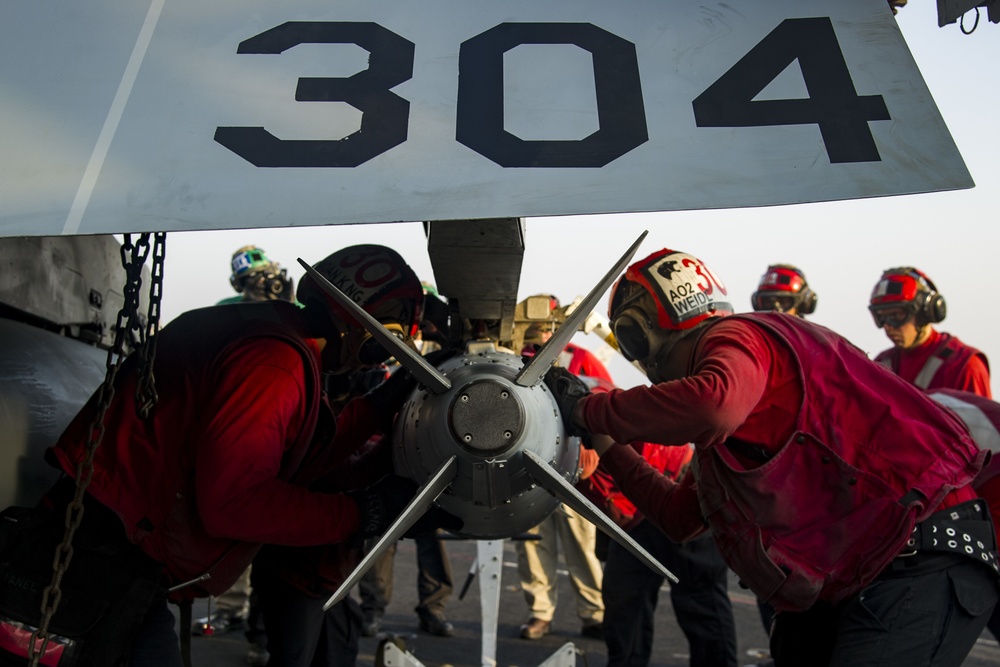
(910, 289)
(783, 288)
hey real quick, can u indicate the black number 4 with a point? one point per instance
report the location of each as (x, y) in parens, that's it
(833, 103)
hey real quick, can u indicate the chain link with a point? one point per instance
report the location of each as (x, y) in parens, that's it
(145, 392)
(127, 325)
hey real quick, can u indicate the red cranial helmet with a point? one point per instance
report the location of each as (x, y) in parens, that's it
(782, 288)
(680, 293)
(910, 289)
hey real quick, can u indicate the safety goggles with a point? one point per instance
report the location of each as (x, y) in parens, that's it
(894, 317)
(779, 304)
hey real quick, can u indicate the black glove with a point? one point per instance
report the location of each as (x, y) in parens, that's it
(388, 397)
(567, 389)
(381, 503)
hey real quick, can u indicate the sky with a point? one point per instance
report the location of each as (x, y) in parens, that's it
(842, 247)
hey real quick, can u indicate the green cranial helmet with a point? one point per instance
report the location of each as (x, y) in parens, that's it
(246, 262)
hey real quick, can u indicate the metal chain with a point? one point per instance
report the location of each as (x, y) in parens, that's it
(133, 258)
(145, 391)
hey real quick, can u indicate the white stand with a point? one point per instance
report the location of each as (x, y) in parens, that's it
(489, 567)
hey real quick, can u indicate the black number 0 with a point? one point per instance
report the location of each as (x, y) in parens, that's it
(385, 115)
(620, 110)
(833, 103)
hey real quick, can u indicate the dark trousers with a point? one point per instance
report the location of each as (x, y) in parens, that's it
(701, 600)
(434, 581)
(301, 634)
(156, 644)
(994, 622)
(927, 610)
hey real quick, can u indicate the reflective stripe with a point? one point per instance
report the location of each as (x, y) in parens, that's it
(923, 380)
(982, 429)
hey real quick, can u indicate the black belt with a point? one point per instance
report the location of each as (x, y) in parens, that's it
(964, 530)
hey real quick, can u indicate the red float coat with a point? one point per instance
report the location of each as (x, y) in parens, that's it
(940, 362)
(812, 463)
(222, 464)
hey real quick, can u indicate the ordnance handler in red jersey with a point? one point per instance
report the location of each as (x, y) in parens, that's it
(839, 493)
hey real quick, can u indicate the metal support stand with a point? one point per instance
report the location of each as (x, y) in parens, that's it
(565, 656)
(489, 568)
(393, 656)
(489, 556)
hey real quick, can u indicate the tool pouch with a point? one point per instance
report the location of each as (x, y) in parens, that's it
(106, 590)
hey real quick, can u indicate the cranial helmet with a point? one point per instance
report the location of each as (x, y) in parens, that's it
(377, 279)
(784, 281)
(910, 289)
(257, 278)
(247, 261)
(682, 290)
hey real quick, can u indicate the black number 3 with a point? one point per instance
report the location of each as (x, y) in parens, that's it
(384, 117)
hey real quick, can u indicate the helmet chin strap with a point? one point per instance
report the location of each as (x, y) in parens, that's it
(923, 333)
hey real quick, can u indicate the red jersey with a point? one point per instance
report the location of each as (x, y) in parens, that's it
(805, 450)
(940, 362)
(224, 461)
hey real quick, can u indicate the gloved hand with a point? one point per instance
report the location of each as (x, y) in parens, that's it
(567, 389)
(384, 501)
(381, 503)
(388, 397)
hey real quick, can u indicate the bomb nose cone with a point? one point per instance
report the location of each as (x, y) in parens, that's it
(486, 417)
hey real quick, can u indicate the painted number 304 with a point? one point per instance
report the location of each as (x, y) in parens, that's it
(833, 104)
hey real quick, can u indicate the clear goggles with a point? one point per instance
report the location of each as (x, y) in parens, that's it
(894, 317)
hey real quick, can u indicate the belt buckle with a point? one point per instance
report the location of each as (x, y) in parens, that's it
(911, 543)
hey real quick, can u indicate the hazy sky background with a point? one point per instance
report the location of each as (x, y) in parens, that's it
(842, 246)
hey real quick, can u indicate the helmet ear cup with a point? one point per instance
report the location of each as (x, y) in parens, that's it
(934, 308)
(755, 301)
(807, 301)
